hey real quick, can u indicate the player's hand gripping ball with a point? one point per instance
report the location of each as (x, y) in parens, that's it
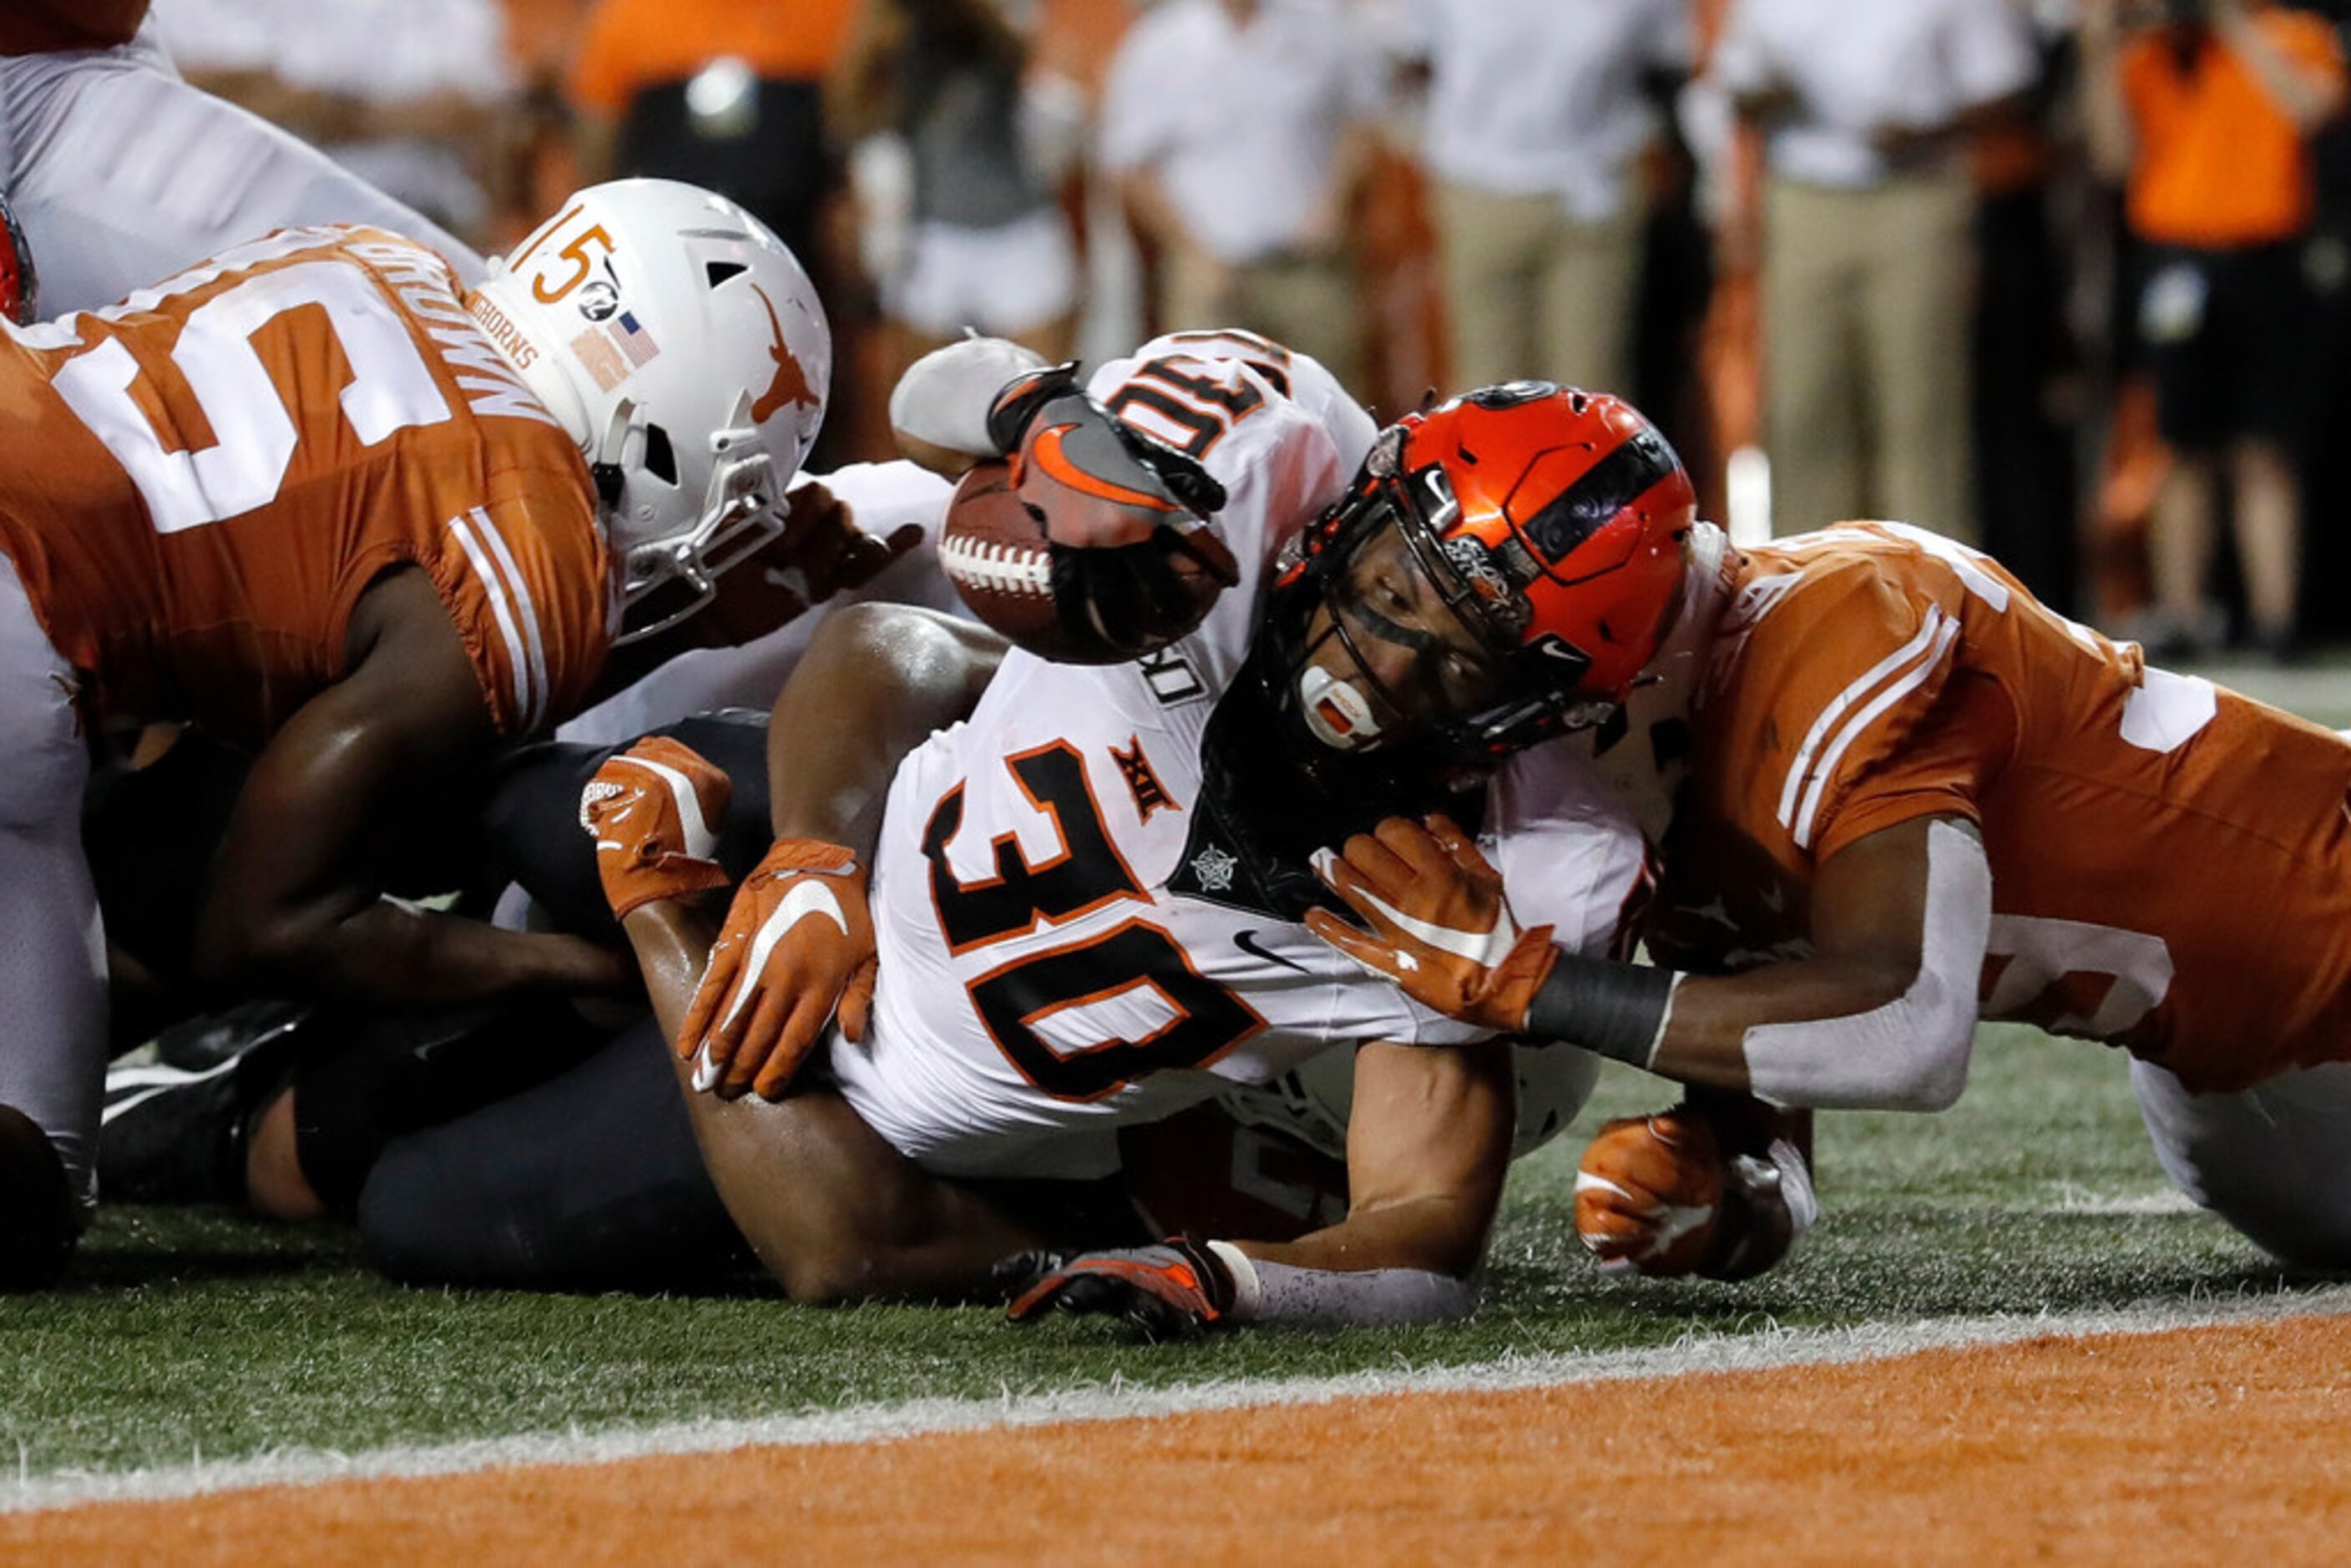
(1649, 1193)
(1077, 579)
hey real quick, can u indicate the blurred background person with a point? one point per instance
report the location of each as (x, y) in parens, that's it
(1536, 119)
(122, 173)
(729, 94)
(957, 153)
(1239, 131)
(722, 93)
(2204, 109)
(415, 97)
(2035, 204)
(1865, 244)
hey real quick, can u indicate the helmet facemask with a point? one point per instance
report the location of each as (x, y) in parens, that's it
(664, 580)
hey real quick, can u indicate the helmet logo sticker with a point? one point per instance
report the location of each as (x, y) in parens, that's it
(790, 383)
(598, 300)
(599, 359)
(1561, 656)
(1510, 395)
(633, 339)
(1475, 565)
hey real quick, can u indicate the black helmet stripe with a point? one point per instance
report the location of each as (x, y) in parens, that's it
(1606, 488)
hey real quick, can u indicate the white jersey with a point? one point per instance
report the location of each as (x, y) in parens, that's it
(1041, 983)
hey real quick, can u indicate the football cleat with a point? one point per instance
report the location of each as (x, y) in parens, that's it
(173, 1122)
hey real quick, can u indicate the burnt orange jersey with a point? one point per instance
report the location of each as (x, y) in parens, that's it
(203, 480)
(2170, 862)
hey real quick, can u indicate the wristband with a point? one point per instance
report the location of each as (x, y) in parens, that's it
(1615, 1011)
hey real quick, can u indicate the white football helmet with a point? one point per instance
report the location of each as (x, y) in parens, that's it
(681, 344)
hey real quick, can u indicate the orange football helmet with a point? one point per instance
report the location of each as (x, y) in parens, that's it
(1548, 520)
(20, 286)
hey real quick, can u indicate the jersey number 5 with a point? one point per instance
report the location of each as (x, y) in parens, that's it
(1134, 970)
(254, 435)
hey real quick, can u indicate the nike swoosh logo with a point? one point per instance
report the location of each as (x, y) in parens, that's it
(805, 899)
(791, 384)
(140, 1084)
(1483, 948)
(1246, 942)
(1046, 451)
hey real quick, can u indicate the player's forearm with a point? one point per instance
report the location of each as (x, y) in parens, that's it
(876, 682)
(671, 944)
(391, 954)
(1705, 1029)
(1438, 1233)
(1703, 1039)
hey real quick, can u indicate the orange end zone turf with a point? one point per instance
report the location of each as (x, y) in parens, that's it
(2172, 1447)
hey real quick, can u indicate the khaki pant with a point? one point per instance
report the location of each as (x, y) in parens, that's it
(1867, 298)
(1305, 302)
(1531, 293)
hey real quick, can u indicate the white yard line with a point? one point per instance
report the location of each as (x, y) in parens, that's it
(1769, 1349)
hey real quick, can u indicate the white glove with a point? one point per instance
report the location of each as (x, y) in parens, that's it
(943, 399)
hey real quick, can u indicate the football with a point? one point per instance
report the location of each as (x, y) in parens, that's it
(1116, 595)
(997, 555)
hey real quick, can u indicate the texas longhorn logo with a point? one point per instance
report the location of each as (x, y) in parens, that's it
(791, 384)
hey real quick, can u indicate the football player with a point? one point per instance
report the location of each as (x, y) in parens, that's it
(1917, 799)
(122, 173)
(317, 498)
(1085, 898)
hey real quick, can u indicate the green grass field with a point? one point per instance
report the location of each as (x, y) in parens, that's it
(185, 1335)
(188, 1333)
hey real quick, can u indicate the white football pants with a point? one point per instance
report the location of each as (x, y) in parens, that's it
(2274, 1160)
(53, 956)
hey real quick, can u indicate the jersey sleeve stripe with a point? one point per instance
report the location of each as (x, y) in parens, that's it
(1800, 771)
(502, 609)
(527, 609)
(1910, 682)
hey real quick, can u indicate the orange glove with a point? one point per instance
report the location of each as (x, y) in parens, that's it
(654, 811)
(1659, 1194)
(796, 952)
(1648, 1196)
(1439, 926)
